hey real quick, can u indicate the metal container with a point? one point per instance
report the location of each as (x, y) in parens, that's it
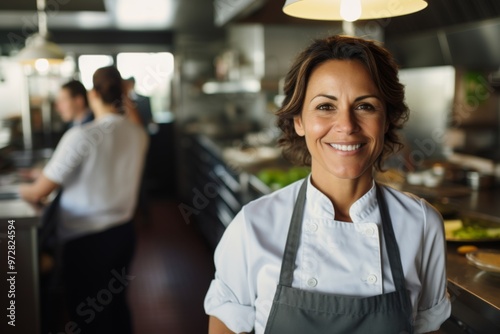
(477, 180)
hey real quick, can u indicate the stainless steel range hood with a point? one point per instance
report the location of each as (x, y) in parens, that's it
(461, 33)
(473, 46)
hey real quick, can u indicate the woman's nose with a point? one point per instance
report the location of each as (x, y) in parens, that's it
(346, 122)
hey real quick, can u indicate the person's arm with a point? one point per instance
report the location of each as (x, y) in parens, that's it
(230, 298)
(30, 174)
(37, 191)
(215, 326)
(67, 156)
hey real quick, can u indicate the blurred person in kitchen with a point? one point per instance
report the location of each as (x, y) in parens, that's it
(336, 252)
(142, 103)
(72, 104)
(99, 165)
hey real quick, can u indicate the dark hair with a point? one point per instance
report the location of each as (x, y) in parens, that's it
(108, 84)
(383, 71)
(76, 88)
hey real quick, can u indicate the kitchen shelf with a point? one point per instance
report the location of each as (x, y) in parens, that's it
(232, 87)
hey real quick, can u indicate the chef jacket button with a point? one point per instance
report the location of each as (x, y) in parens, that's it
(312, 227)
(371, 279)
(369, 231)
(312, 282)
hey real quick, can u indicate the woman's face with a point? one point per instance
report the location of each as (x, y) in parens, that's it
(343, 120)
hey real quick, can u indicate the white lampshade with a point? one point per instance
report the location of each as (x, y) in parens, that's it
(38, 47)
(329, 10)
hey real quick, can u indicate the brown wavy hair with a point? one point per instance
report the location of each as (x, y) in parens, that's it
(380, 65)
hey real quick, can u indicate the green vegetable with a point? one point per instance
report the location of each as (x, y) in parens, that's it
(476, 232)
(279, 178)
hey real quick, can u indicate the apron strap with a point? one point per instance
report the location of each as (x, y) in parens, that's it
(392, 248)
(293, 238)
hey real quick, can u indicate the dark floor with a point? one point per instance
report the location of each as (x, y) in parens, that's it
(173, 268)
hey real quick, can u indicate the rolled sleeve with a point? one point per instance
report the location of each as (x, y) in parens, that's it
(431, 319)
(230, 297)
(221, 303)
(434, 305)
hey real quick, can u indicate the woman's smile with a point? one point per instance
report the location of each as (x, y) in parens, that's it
(348, 148)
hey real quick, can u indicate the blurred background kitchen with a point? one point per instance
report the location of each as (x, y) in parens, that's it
(213, 71)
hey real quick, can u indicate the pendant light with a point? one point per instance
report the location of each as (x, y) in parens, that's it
(38, 46)
(351, 10)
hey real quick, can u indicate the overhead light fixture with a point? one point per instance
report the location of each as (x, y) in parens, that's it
(351, 10)
(144, 14)
(38, 46)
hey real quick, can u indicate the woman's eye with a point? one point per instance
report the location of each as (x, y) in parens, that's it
(325, 107)
(365, 106)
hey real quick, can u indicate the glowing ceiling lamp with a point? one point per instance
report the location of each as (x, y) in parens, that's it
(351, 10)
(38, 45)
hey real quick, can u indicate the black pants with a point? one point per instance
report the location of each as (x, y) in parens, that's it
(96, 274)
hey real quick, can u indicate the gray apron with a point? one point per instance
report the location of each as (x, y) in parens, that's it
(306, 312)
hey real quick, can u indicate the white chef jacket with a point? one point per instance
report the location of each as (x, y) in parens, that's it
(99, 165)
(333, 257)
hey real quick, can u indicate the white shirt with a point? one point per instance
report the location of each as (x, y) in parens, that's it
(99, 165)
(333, 257)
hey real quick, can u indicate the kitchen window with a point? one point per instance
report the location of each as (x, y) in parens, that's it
(153, 73)
(88, 64)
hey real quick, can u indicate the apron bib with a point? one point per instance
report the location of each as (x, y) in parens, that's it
(305, 312)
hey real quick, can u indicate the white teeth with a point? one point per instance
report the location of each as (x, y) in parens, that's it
(345, 147)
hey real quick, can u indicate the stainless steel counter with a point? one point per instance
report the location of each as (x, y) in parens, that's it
(483, 203)
(25, 271)
(25, 214)
(475, 294)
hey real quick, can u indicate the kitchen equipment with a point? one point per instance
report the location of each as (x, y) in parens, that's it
(220, 129)
(486, 259)
(251, 155)
(477, 180)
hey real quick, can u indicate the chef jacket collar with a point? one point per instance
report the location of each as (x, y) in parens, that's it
(320, 206)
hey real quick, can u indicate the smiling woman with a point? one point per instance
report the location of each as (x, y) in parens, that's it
(378, 66)
(335, 252)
